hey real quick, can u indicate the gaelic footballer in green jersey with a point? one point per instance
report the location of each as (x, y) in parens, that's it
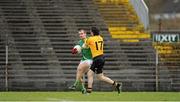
(84, 64)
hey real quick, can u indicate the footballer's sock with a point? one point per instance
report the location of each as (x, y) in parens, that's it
(89, 90)
(83, 89)
(114, 84)
(76, 82)
(81, 86)
(75, 85)
(118, 86)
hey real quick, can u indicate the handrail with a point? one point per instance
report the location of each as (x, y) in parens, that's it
(142, 12)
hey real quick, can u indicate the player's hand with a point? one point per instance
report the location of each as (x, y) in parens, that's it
(85, 40)
(74, 51)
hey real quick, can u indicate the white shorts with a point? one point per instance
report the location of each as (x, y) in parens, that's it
(88, 61)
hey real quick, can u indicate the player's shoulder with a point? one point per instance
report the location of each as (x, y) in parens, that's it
(92, 38)
(89, 38)
(100, 36)
(80, 42)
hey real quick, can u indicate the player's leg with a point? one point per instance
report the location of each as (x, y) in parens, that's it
(82, 68)
(78, 80)
(99, 71)
(110, 81)
(104, 78)
(90, 75)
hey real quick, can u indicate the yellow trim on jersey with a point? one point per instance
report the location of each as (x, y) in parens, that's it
(96, 45)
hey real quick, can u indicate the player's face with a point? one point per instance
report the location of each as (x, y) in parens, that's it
(82, 34)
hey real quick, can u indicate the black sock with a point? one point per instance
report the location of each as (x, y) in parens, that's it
(114, 83)
(89, 90)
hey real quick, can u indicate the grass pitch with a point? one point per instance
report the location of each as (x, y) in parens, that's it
(95, 96)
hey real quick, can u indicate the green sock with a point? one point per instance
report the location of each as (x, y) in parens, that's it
(76, 82)
(82, 86)
(79, 85)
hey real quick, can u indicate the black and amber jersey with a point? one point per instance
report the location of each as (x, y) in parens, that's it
(96, 45)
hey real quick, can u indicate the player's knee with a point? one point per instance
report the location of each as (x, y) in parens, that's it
(90, 73)
(80, 69)
(100, 77)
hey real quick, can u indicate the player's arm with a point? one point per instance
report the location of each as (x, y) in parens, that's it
(85, 45)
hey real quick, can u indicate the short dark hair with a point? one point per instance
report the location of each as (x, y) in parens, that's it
(82, 29)
(95, 30)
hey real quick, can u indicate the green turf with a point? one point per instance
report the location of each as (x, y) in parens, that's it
(95, 96)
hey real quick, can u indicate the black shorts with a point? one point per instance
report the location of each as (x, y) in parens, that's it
(98, 64)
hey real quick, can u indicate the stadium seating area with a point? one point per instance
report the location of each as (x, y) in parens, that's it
(2, 63)
(41, 33)
(122, 20)
(169, 64)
